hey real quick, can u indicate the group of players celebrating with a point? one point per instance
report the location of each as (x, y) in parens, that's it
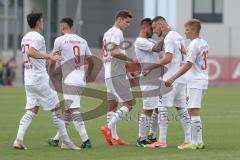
(164, 62)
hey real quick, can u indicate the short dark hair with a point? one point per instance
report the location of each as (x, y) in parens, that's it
(32, 19)
(194, 23)
(146, 21)
(123, 14)
(68, 21)
(157, 18)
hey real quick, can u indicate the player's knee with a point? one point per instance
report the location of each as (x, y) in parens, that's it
(178, 108)
(148, 112)
(129, 104)
(34, 110)
(195, 112)
(73, 110)
(129, 107)
(112, 105)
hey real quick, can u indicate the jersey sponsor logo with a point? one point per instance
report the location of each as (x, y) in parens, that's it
(72, 42)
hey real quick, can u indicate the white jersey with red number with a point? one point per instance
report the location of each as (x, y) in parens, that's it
(172, 44)
(197, 54)
(113, 66)
(34, 69)
(74, 50)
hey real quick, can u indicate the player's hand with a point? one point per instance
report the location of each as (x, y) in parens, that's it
(146, 71)
(135, 60)
(183, 49)
(132, 60)
(55, 56)
(169, 82)
(89, 79)
(131, 77)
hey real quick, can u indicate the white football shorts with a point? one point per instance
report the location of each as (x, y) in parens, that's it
(195, 97)
(177, 97)
(118, 88)
(72, 96)
(150, 97)
(41, 95)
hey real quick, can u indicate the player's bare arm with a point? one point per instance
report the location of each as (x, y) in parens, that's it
(117, 54)
(90, 63)
(51, 66)
(32, 52)
(158, 46)
(183, 50)
(167, 58)
(182, 71)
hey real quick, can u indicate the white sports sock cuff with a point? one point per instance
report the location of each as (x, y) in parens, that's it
(124, 108)
(142, 115)
(76, 112)
(182, 110)
(111, 112)
(160, 109)
(195, 118)
(110, 115)
(31, 113)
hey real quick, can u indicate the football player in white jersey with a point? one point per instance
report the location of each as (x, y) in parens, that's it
(158, 36)
(75, 53)
(118, 86)
(172, 59)
(147, 52)
(36, 82)
(196, 68)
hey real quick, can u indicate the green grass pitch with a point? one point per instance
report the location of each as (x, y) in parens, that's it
(221, 130)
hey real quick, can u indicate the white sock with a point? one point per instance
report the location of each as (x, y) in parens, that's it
(57, 136)
(79, 125)
(110, 115)
(186, 123)
(59, 124)
(143, 126)
(196, 129)
(68, 119)
(120, 114)
(24, 124)
(153, 125)
(163, 123)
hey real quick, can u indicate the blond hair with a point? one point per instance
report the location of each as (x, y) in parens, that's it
(194, 23)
